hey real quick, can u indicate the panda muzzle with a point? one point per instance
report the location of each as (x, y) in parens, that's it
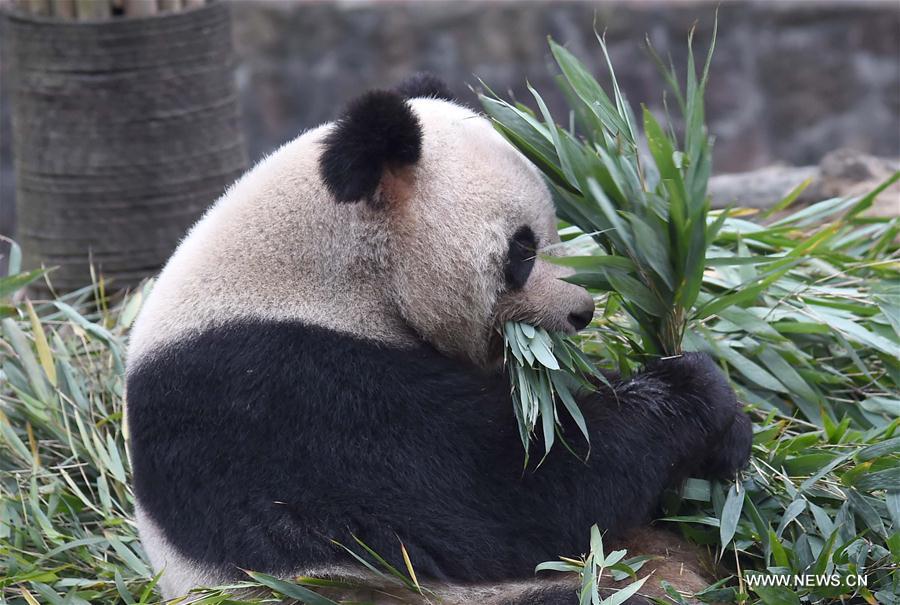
(549, 302)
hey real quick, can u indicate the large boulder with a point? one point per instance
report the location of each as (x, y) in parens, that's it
(841, 173)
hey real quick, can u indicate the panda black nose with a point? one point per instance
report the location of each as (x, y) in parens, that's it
(580, 319)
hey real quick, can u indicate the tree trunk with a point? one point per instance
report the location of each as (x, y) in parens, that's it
(125, 130)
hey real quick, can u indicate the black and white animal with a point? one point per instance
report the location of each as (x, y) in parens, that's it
(320, 359)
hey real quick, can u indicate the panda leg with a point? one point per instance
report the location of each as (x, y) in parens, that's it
(557, 595)
(544, 591)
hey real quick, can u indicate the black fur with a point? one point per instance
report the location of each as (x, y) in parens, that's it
(425, 84)
(378, 130)
(565, 595)
(520, 257)
(549, 595)
(256, 444)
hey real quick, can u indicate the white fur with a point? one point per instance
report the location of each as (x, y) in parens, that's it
(180, 575)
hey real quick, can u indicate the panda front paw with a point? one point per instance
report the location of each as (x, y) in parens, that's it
(699, 383)
(731, 452)
(728, 430)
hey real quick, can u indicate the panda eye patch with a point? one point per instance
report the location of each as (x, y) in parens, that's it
(520, 257)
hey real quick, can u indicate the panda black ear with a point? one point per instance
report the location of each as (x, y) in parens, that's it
(425, 84)
(378, 131)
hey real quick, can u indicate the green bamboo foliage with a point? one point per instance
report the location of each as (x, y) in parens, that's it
(544, 369)
(65, 493)
(595, 565)
(647, 214)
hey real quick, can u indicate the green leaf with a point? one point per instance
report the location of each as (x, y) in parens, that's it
(776, 595)
(13, 283)
(711, 521)
(587, 89)
(289, 589)
(548, 420)
(787, 200)
(619, 232)
(543, 354)
(556, 566)
(752, 371)
(745, 293)
(562, 390)
(858, 333)
(892, 502)
(790, 513)
(821, 472)
(786, 375)
(778, 552)
(21, 346)
(565, 160)
(128, 556)
(529, 136)
(888, 480)
(731, 514)
(866, 511)
(622, 595)
(696, 489)
(635, 292)
(866, 201)
(653, 250)
(592, 263)
(878, 450)
(14, 265)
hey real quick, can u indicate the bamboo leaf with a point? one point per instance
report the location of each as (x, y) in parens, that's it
(16, 281)
(40, 341)
(731, 514)
(622, 595)
(288, 589)
(587, 89)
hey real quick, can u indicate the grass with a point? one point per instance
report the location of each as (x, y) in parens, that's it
(801, 312)
(65, 496)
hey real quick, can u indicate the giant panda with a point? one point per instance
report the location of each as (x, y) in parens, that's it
(320, 361)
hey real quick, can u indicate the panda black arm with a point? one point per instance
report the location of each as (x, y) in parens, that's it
(677, 418)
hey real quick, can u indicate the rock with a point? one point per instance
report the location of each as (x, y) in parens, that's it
(847, 173)
(759, 188)
(841, 173)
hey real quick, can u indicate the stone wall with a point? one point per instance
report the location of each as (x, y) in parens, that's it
(791, 80)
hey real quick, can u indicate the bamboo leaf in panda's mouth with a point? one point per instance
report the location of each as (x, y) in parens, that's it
(545, 370)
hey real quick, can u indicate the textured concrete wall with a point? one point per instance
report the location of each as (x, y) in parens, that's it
(791, 80)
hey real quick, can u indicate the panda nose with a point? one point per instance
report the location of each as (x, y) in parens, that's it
(582, 317)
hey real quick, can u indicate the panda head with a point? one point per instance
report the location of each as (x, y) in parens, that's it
(466, 219)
